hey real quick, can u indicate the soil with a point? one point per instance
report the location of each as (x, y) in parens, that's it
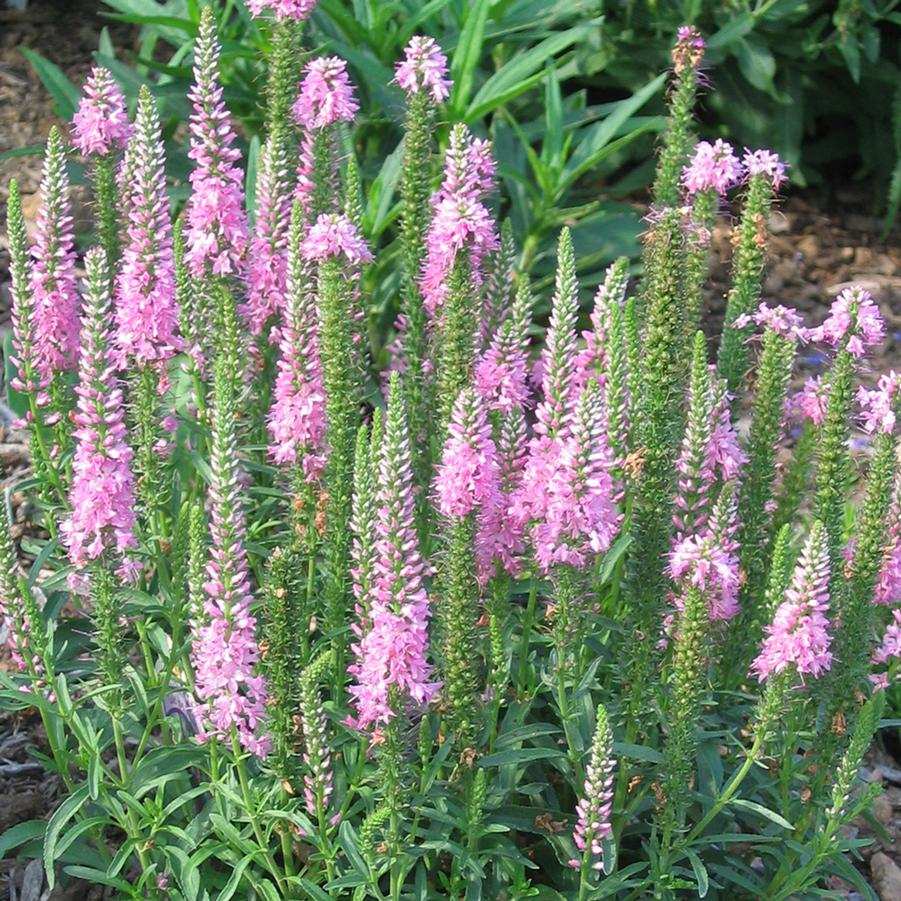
(817, 248)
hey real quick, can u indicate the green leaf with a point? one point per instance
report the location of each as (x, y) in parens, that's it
(467, 54)
(61, 89)
(230, 887)
(17, 152)
(520, 756)
(519, 74)
(700, 872)
(760, 810)
(61, 816)
(19, 834)
(637, 752)
(250, 182)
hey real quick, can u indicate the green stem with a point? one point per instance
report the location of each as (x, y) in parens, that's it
(526, 636)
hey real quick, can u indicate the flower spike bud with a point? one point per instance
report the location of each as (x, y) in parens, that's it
(498, 287)
(217, 224)
(319, 779)
(688, 53)
(595, 806)
(747, 276)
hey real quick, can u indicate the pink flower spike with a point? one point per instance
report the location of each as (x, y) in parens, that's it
(879, 406)
(712, 167)
(296, 10)
(689, 49)
(102, 493)
(853, 315)
(55, 298)
(326, 95)
(216, 237)
(782, 320)
(100, 125)
(468, 477)
(424, 68)
(810, 401)
(767, 164)
(798, 635)
(333, 235)
(146, 309)
(888, 588)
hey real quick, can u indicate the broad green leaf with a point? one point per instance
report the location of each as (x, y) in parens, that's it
(467, 54)
(760, 810)
(700, 872)
(57, 823)
(19, 834)
(520, 756)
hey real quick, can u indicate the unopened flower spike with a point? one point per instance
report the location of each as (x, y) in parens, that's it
(499, 286)
(747, 272)
(267, 268)
(102, 496)
(318, 780)
(595, 806)
(688, 53)
(217, 237)
(225, 654)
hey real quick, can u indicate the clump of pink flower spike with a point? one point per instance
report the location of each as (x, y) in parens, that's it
(798, 635)
(146, 308)
(100, 125)
(461, 220)
(467, 478)
(216, 236)
(712, 167)
(224, 651)
(102, 494)
(782, 320)
(765, 163)
(391, 654)
(853, 315)
(54, 294)
(297, 10)
(332, 235)
(267, 268)
(424, 68)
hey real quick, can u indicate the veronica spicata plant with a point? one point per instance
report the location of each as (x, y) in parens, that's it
(523, 615)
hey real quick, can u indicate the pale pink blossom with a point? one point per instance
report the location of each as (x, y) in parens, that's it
(100, 125)
(296, 10)
(424, 68)
(326, 94)
(767, 164)
(712, 167)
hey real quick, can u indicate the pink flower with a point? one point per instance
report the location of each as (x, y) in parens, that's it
(712, 167)
(703, 562)
(502, 371)
(224, 649)
(888, 588)
(217, 224)
(579, 519)
(54, 295)
(100, 124)
(779, 319)
(102, 493)
(333, 235)
(767, 164)
(855, 316)
(461, 220)
(298, 10)
(267, 268)
(146, 308)
(689, 49)
(878, 406)
(326, 94)
(467, 478)
(799, 634)
(297, 421)
(424, 68)
(810, 402)
(391, 654)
